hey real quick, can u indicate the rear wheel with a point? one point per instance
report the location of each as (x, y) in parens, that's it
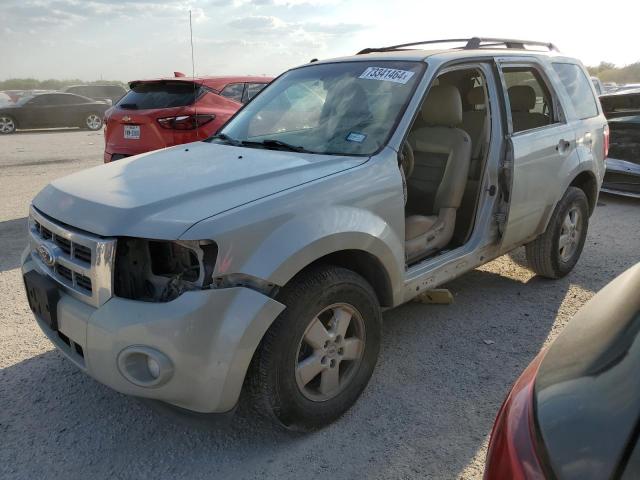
(554, 253)
(7, 124)
(93, 121)
(318, 356)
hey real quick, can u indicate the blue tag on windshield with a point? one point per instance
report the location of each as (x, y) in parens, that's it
(356, 137)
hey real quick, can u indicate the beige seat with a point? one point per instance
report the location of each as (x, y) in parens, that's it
(523, 100)
(442, 113)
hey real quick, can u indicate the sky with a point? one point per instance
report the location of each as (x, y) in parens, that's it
(130, 39)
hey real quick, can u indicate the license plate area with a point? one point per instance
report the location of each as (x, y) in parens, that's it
(43, 296)
(132, 132)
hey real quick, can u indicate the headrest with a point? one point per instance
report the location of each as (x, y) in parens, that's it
(522, 98)
(475, 96)
(443, 107)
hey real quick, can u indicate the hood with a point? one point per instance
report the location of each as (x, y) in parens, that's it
(161, 194)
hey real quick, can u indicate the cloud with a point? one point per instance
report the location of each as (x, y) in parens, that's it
(258, 23)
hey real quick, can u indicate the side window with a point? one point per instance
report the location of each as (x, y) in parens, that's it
(577, 86)
(530, 99)
(252, 90)
(233, 91)
(41, 101)
(67, 100)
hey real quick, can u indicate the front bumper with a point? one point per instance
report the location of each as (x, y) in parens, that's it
(208, 338)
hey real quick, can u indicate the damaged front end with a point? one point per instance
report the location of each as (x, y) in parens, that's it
(160, 271)
(622, 175)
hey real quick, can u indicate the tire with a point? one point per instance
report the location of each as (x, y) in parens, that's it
(569, 224)
(92, 121)
(7, 124)
(296, 397)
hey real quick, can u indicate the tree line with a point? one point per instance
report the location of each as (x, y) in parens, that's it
(608, 72)
(49, 84)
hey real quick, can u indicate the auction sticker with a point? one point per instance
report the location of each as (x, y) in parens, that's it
(356, 137)
(387, 75)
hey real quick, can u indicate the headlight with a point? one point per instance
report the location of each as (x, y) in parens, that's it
(159, 270)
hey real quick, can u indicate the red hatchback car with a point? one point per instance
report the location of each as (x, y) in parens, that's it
(170, 111)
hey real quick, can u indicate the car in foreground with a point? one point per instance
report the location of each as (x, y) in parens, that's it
(574, 412)
(623, 163)
(109, 93)
(262, 257)
(162, 113)
(52, 110)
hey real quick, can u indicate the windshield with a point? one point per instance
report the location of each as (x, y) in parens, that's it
(347, 108)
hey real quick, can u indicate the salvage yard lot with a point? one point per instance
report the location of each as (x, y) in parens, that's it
(428, 411)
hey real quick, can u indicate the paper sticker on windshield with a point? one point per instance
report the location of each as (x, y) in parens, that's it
(387, 75)
(356, 137)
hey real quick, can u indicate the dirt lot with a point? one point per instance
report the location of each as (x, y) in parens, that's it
(426, 414)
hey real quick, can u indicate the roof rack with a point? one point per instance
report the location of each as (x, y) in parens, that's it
(473, 43)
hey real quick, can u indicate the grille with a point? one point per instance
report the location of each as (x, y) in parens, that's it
(83, 263)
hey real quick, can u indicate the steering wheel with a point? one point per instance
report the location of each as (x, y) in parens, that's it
(406, 162)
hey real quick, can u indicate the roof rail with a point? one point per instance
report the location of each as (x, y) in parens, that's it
(470, 44)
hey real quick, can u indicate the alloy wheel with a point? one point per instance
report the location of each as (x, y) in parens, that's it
(570, 234)
(94, 122)
(330, 352)
(7, 125)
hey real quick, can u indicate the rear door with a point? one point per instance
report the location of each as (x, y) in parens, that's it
(541, 148)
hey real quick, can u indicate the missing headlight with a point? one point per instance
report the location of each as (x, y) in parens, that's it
(160, 271)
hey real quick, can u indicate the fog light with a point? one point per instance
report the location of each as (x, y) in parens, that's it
(154, 367)
(145, 366)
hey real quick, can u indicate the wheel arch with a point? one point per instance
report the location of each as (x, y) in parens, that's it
(364, 264)
(587, 182)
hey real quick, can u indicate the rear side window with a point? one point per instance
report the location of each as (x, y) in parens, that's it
(160, 95)
(252, 90)
(530, 99)
(233, 91)
(578, 87)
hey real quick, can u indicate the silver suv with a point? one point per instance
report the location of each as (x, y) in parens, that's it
(261, 259)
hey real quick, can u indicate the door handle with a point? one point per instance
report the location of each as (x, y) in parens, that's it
(563, 146)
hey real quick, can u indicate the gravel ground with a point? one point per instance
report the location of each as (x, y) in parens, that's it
(427, 412)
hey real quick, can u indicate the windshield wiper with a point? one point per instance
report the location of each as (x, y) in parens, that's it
(226, 138)
(276, 144)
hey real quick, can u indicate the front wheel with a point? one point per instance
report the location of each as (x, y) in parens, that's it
(93, 121)
(319, 354)
(7, 124)
(554, 253)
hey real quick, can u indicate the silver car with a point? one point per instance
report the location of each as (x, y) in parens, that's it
(260, 260)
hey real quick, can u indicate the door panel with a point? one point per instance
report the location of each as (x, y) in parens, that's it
(541, 160)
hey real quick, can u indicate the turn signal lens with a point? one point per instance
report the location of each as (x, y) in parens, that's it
(607, 136)
(185, 122)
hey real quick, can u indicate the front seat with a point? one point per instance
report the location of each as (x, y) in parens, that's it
(523, 99)
(442, 114)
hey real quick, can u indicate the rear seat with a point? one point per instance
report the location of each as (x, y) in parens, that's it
(523, 100)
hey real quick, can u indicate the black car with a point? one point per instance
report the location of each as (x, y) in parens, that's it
(623, 164)
(112, 93)
(52, 110)
(575, 411)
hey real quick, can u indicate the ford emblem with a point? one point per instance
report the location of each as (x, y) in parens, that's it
(47, 256)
